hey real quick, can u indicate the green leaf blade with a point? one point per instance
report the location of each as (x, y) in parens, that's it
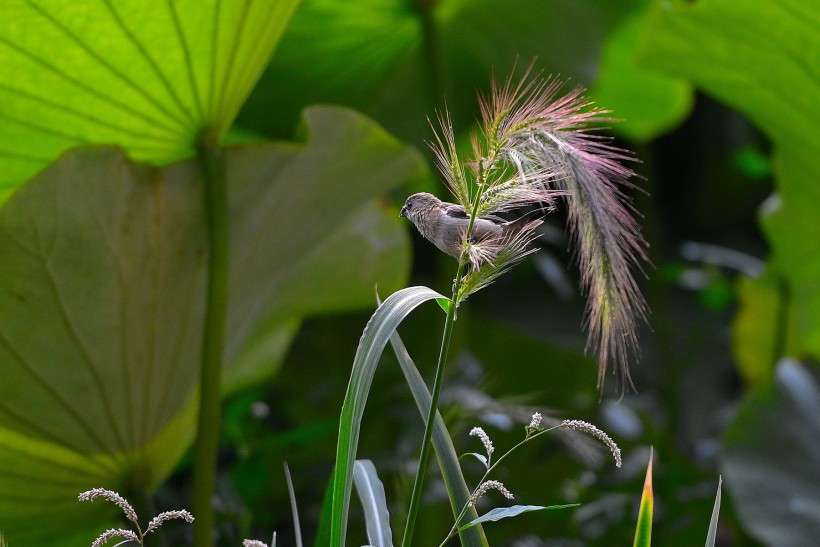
(374, 503)
(446, 454)
(508, 512)
(711, 535)
(376, 334)
(643, 529)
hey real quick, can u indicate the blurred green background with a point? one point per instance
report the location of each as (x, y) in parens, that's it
(717, 98)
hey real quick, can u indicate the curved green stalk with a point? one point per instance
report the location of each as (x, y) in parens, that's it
(207, 440)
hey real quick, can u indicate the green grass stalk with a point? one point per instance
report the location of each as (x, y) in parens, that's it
(426, 444)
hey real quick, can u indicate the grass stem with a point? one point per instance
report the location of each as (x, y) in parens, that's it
(426, 444)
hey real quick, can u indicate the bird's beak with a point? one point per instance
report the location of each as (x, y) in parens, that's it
(403, 212)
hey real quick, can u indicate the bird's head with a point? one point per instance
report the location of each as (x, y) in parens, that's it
(417, 204)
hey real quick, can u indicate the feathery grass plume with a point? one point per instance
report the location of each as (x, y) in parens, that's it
(491, 182)
(530, 146)
(549, 140)
(493, 257)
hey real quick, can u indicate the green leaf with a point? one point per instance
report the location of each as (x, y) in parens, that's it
(444, 304)
(151, 76)
(711, 536)
(759, 57)
(102, 289)
(448, 460)
(325, 517)
(753, 55)
(507, 512)
(480, 457)
(376, 334)
(771, 458)
(374, 503)
(294, 508)
(402, 60)
(648, 102)
(59, 476)
(643, 530)
(764, 328)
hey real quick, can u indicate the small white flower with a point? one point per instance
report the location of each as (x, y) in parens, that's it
(157, 521)
(535, 422)
(114, 498)
(485, 439)
(253, 543)
(586, 427)
(103, 538)
(489, 485)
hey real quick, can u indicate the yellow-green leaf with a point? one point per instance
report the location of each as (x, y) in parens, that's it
(149, 75)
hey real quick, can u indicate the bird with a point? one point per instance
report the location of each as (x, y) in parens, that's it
(443, 224)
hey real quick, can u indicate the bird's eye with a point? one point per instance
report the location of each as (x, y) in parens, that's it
(409, 206)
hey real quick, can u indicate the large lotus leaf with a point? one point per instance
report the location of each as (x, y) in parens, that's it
(149, 75)
(762, 58)
(771, 461)
(102, 290)
(647, 102)
(764, 328)
(398, 61)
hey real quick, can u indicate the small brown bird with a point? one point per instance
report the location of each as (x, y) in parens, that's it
(444, 224)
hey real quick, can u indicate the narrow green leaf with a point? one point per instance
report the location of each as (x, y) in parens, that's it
(376, 334)
(480, 457)
(294, 509)
(448, 460)
(643, 530)
(508, 512)
(374, 503)
(323, 531)
(444, 304)
(713, 522)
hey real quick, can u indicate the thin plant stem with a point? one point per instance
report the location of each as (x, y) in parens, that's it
(207, 441)
(426, 444)
(466, 507)
(428, 428)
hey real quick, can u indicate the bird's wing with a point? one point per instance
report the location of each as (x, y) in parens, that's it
(453, 210)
